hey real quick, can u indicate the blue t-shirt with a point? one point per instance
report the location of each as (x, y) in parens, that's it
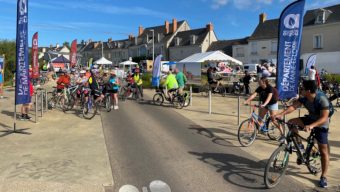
(113, 81)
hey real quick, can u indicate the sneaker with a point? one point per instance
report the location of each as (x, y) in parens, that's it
(323, 182)
(111, 107)
(282, 139)
(115, 107)
(22, 117)
(27, 117)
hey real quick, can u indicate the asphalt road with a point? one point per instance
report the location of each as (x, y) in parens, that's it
(152, 144)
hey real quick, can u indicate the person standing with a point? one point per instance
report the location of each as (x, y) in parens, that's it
(181, 80)
(113, 87)
(138, 82)
(246, 81)
(1, 83)
(311, 73)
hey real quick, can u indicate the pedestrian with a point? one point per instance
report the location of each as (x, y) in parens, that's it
(265, 71)
(1, 83)
(246, 81)
(311, 73)
(259, 72)
(181, 80)
(26, 107)
(138, 82)
(113, 87)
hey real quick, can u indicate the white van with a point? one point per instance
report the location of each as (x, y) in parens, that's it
(251, 68)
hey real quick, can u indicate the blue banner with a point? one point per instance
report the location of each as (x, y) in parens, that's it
(22, 81)
(1, 64)
(290, 33)
(156, 71)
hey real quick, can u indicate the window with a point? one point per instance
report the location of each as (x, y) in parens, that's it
(253, 48)
(240, 52)
(273, 46)
(317, 42)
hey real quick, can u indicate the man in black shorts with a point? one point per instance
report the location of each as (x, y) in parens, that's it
(317, 119)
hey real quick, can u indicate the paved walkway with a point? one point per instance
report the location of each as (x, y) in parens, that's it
(63, 153)
(222, 125)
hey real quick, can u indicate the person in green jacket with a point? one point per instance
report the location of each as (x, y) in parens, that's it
(181, 80)
(170, 83)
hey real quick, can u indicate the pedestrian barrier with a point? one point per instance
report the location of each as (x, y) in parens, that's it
(41, 99)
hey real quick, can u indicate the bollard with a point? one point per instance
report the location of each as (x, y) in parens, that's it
(209, 102)
(42, 103)
(238, 110)
(36, 107)
(190, 95)
(299, 112)
(46, 105)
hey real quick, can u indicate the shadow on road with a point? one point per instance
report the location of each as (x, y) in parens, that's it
(237, 170)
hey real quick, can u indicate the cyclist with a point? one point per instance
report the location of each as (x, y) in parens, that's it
(181, 80)
(317, 119)
(94, 86)
(171, 84)
(268, 98)
(214, 78)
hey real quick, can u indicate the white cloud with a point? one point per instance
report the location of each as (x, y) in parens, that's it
(219, 3)
(239, 4)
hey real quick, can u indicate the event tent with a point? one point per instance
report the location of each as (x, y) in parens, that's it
(60, 62)
(212, 56)
(127, 63)
(102, 61)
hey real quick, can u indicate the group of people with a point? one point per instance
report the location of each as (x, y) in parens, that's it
(266, 70)
(318, 118)
(174, 80)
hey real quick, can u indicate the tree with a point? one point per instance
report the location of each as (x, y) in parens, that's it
(7, 47)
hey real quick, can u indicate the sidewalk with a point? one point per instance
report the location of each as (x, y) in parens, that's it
(64, 152)
(221, 127)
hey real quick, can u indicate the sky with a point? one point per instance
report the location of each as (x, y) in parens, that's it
(58, 21)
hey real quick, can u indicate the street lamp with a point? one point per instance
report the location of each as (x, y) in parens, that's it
(153, 45)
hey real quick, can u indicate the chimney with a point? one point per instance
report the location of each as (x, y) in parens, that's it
(95, 45)
(174, 25)
(109, 40)
(167, 27)
(262, 17)
(210, 27)
(130, 37)
(140, 30)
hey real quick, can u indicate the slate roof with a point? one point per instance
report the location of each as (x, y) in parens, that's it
(310, 16)
(185, 37)
(226, 46)
(266, 30)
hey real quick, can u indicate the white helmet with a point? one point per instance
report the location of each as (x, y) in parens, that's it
(82, 72)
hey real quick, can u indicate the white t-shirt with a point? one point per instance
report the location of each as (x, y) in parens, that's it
(311, 74)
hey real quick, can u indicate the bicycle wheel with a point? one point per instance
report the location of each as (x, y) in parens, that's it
(178, 102)
(276, 167)
(89, 109)
(247, 132)
(186, 100)
(123, 93)
(158, 99)
(108, 103)
(273, 132)
(222, 91)
(314, 161)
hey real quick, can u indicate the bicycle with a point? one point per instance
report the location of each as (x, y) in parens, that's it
(278, 161)
(247, 131)
(128, 91)
(176, 99)
(90, 107)
(211, 87)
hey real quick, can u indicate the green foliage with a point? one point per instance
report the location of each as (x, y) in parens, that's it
(147, 77)
(7, 48)
(333, 78)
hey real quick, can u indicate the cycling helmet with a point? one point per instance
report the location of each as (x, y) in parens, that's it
(82, 72)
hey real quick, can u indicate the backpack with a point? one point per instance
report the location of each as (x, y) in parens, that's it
(317, 103)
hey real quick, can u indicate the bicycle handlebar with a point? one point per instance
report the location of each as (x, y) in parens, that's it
(289, 124)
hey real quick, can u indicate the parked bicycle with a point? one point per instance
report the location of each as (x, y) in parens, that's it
(176, 99)
(278, 161)
(249, 128)
(128, 91)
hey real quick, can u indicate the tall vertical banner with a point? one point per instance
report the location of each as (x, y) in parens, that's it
(22, 93)
(73, 55)
(310, 62)
(156, 71)
(35, 58)
(2, 67)
(290, 34)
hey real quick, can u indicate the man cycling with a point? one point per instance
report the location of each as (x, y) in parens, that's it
(317, 119)
(181, 80)
(171, 84)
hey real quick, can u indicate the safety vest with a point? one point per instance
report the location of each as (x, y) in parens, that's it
(137, 79)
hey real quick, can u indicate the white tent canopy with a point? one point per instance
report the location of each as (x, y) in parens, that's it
(128, 63)
(213, 56)
(102, 61)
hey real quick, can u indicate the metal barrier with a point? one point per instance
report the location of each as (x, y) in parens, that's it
(43, 105)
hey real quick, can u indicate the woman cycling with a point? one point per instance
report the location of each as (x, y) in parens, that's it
(268, 98)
